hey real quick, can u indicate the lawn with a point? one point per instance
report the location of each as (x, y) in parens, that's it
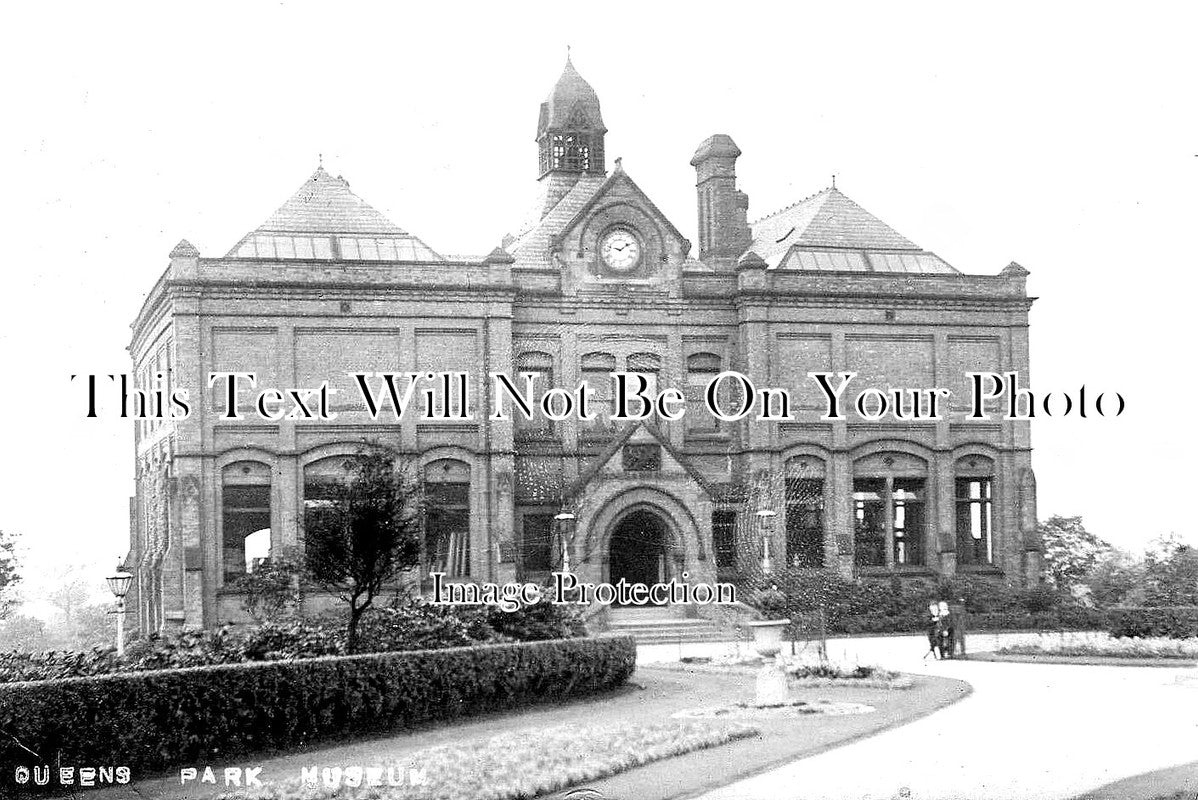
(524, 765)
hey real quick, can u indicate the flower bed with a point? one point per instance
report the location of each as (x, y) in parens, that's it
(1083, 645)
(158, 718)
(800, 672)
(530, 764)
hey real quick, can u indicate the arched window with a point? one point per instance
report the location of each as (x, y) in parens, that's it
(701, 369)
(321, 479)
(596, 371)
(541, 365)
(447, 518)
(890, 510)
(648, 365)
(805, 512)
(245, 518)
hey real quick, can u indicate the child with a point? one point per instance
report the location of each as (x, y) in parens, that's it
(947, 631)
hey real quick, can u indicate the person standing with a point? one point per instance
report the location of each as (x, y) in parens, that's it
(933, 627)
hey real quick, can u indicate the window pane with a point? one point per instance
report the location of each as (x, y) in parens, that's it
(537, 542)
(447, 528)
(723, 542)
(245, 528)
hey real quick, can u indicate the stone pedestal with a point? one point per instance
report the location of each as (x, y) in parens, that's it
(771, 684)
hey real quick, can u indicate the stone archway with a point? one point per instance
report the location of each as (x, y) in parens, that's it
(639, 549)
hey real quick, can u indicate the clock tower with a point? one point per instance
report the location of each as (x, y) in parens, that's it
(570, 130)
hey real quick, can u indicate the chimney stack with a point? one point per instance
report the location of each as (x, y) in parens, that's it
(723, 224)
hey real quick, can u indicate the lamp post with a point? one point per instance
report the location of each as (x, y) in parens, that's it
(766, 518)
(119, 584)
(561, 519)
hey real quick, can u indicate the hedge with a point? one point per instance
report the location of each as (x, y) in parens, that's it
(1063, 618)
(152, 720)
(1173, 622)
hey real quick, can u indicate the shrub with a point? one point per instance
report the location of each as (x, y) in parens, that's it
(1064, 618)
(19, 666)
(537, 622)
(290, 639)
(150, 720)
(771, 603)
(1176, 622)
(412, 625)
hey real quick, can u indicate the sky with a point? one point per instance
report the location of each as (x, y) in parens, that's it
(1061, 136)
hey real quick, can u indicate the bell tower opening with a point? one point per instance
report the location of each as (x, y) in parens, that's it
(570, 129)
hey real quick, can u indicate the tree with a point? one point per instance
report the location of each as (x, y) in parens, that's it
(1070, 551)
(1117, 579)
(9, 577)
(23, 634)
(272, 590)
(366, 535)
(1171, 573)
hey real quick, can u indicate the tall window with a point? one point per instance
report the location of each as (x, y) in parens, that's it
(536, 542)
(596, 371)
(447, 518)
(869, 519)
(701, 369)
(723, 543)
(647, 364)
(908, 498)
(245, 518)
(974, 516)
(541, 365)
(321, 481)
(805, 522)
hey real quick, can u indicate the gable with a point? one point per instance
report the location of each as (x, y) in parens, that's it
(619, 460)
(619, 189)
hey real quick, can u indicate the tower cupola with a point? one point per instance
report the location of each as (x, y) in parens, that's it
(570, 130)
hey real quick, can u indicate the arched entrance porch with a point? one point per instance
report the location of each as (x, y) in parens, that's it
(639, 549)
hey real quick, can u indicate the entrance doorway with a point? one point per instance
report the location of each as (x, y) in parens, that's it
(639, 550)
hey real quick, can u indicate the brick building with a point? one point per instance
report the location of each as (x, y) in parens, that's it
(595, 279)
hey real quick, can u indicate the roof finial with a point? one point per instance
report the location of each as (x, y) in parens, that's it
(320, 160)
(833, 180)
(567, 54)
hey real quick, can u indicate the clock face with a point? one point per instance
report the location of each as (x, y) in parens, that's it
(621, 251)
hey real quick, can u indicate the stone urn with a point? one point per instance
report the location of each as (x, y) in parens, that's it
(771, 678)
(767, 636)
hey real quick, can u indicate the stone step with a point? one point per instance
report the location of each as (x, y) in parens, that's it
(662, 627)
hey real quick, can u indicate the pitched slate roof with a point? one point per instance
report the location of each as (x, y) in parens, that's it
(325, 220)
(828, 231)
(550, 212)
